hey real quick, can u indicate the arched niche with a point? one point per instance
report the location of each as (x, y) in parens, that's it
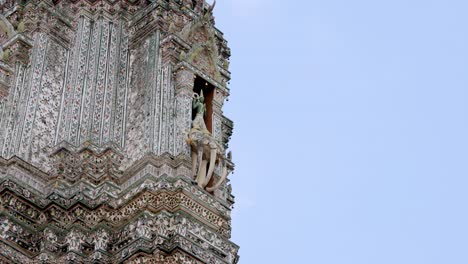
(204, 51)
(203, 57)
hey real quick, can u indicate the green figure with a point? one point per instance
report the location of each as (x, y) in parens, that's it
(199, 107)
(198, 104)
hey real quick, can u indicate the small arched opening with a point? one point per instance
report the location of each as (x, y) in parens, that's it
(208, 92)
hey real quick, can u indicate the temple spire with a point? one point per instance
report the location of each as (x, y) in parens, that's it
(111, 124)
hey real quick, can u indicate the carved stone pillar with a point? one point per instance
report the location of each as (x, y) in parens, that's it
(184, 80)
(218, 102)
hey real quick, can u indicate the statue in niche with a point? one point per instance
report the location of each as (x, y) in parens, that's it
(198, 103)
(206, 151)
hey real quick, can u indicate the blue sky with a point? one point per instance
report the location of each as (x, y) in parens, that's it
(351, 130)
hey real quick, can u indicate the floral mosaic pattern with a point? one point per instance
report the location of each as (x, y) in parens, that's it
(95, 110)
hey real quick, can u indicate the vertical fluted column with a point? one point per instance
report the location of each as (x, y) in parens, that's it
(184, 89)
(218, 102)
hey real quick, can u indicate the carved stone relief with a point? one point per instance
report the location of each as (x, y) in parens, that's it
(100, 159)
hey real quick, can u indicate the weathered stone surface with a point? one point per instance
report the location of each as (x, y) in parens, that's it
(95, 115)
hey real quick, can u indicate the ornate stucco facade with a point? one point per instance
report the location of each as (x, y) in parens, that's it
(113, 143)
